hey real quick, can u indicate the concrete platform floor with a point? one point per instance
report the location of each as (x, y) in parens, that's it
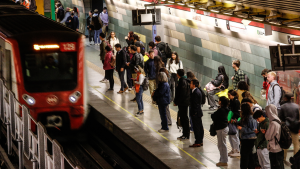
(203, 157)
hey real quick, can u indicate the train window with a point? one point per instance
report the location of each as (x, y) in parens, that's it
(7, 69)
(47, 72)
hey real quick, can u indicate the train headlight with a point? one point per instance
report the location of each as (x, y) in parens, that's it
(74, 97)
(28, 99)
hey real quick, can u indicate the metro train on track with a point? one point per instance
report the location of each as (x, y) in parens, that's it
(42, 62)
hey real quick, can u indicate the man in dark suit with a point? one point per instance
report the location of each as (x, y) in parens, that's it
(120, 65)
(196, 113)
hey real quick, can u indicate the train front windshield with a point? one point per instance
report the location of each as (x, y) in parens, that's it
(48, 72)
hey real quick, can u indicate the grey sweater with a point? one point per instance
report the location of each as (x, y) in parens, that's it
(274, 96)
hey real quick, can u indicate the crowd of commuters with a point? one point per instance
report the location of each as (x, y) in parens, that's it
(253, 132)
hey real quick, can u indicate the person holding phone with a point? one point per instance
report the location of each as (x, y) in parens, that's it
(139, 89)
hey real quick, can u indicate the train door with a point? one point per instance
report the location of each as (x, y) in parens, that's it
(5, 67)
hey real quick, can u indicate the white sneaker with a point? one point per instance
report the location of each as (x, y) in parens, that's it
(105, 81)
(90, 43)
(162, 131)
(129, 89)
(235, 153)
(231, 152)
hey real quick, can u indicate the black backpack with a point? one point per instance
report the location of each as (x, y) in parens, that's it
(143, 49)
(145, 84)
(168, 51)
(285, 140)
(60, 14)
(281, 101)
(203, 99)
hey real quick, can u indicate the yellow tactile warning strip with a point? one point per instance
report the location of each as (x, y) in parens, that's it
(147, 98)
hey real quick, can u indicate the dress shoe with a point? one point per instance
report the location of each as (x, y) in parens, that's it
(221, 164)
(182, 138)
(125, 89)
(196, 145)
(120, 92)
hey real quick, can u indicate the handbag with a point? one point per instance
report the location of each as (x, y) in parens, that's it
(232, 129)
(209, 87)
(212, 130)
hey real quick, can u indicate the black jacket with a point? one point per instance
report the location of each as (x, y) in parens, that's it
(150, 69)
(235, 107)
(96, 22)
(161, 46)
(218, 81)
(74, 24)
(88, 23)
(195, 103)
(135, 61)
(60, 13)
(182, 92)
(129, 42)
(220, 118)
(120, 60)
(289, 113)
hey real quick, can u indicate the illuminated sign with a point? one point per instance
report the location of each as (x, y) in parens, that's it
(68, 46)
(39, 47)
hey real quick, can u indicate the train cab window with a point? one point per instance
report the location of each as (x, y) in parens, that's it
(47, 72)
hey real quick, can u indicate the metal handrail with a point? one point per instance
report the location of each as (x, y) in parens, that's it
(33, 146)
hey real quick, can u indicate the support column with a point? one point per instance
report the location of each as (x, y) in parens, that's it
(52, 10)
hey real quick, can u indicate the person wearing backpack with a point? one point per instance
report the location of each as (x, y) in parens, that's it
(140, 47)
(162, 48)
(196, 113)
(152, 46)
(274, 93)
(239, 75)
(273, 134)
(109, 69)
(97, 23)
(162, 93)
(289, 113)
(90, 27)
(182, 100)
(172, 66)
(221, 83)
(60, 13)
(139, 89)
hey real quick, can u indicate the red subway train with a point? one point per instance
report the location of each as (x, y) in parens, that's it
(43, 63)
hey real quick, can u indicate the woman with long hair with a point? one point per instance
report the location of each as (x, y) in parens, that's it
(247, 127)
(139, 89)
(221, 126)
(173, 64)
(109, 69)
(129, 39)
(167, 110)
(158, 63)
(242, 87)
(113, 40)
(162, 93)
(234, 107)
(76, 11)
(221, 83)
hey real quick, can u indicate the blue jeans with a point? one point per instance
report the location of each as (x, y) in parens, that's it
(163, 116)
(96, 36)
(139, 99)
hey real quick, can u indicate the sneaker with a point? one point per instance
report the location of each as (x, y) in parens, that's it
(221, 164)
(133, 100)
(102, 79)
(110, 89)
(139, 114)
(212, 108)
(191, 131)
(125, 89)
(235, 154)
(105, 81)
(162, 131)
(231, 152)
(129, 89)
(90, 43)
(182, 138)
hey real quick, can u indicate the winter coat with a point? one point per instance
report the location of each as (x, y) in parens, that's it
(150, 69)
(107, 60)
(261, 142)
(96, 22)
(136, 60)
(220, 80)
(182, 92)
(162, 47)
(274, 129)
(120, 60)
(74, 24)
(247, 131)
(289, 113)
(235, 106)
(162, 93)
(219, 118)
(274, 96)
(60, 13)
(195, 103)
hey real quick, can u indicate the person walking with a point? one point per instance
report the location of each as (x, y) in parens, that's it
(151, 72)
(105, 20)
(109, 69)
(182, 100)
(274, 93)
(120, 66)
(220, 122)
(247, 127)
(167, 109)
(234, 107)
(276, 154)
(220, 83)
(97, 23)
(261, 142)
(239, 75)
(73, 22)
(113, 40)
(90, 27)
(289, 113)
(139, 89)
(196, 113)
(162, 93)
(173, 64)
(102, 54)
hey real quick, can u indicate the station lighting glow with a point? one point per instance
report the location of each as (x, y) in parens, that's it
(39, 47)
(180, 4)
(171, 2)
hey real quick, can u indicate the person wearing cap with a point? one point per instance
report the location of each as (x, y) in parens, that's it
(67, 14)
(289, 113)
(139, 89)
(97, 24)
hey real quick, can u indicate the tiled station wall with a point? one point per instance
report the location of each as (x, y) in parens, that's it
(200, 51)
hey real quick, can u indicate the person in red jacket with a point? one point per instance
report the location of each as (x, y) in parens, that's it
(107, 66)
(266, 84)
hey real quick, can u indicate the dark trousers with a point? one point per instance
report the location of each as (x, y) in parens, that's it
(191, 121)
(247, 160)
(121, 76)
(110, 76)
(184, 120)
(163, 116)
(91, 35)
(129, 80)
(198, 129)
(173, 85)
(276, 160)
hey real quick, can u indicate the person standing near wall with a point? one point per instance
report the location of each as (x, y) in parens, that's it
(105, 20)
(239, 74)
(73, 22)
(153, 47)
(103, 53)
(90, 27)
(97, 23)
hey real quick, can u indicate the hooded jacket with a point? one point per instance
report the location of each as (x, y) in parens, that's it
(273, 130)
(261, 142)
(274, 94)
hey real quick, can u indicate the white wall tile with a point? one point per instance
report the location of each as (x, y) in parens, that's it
(236, 54)
(173, 42)
(225, 50)
(200, 34)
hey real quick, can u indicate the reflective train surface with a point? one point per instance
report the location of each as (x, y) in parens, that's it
(42, 62)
